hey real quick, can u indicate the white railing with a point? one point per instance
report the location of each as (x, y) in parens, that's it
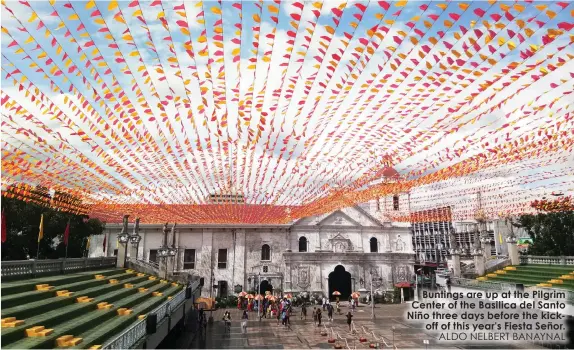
(137, 331)
(32, 268)
(547, 260)
(476, 284)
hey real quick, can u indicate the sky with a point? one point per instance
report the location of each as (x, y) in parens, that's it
(369, 81)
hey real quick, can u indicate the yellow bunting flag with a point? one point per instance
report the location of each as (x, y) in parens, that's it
(41, 233)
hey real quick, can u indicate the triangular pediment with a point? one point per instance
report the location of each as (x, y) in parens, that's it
(338, 218)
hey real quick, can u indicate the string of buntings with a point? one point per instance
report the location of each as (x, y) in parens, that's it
(291, 108)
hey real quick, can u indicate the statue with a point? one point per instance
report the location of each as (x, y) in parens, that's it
(172, 234)
(137, 227)
(399, 245)
(125, 224)
(165, 231)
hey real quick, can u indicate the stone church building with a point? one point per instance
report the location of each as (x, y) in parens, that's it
(318, 254)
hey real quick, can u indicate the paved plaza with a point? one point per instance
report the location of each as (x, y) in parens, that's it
(266, 334)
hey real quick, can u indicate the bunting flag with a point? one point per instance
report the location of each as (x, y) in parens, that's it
(67, 233)
(267, 111)
(41, 232)
(104, 244)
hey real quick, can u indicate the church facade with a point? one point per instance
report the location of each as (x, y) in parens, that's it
(344, 251)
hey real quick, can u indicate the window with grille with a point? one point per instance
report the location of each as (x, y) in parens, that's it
(115, 252)
(265, 269)
(153, 255)
(189, 259)
(265, 252)
(222, 259)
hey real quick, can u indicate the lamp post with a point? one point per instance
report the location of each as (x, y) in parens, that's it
(123, 238)
(135, 238)
(259, 294)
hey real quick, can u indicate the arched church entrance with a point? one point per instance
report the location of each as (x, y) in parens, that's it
(340, 281)
(265, 286)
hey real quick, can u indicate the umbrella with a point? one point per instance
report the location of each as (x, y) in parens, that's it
(249, 296)
(288, 296)
(242, 294)
(355, 295)
(336, 293)
(269, 296)
(259, 297)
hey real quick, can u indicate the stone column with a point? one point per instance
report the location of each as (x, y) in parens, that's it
(456, 265)
(121, 255)
(513, 252)
(487, 249)
(479, 264)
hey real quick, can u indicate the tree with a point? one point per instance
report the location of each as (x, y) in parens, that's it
(552, 229)
(23, 222)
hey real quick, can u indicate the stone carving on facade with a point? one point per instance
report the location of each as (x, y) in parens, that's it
(402, 274)
(338, 220)
(303, 277)
(399, 244)
(378, 281)
(340, 243)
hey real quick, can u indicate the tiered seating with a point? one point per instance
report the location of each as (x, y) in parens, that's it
(80, 310)
(555, 276)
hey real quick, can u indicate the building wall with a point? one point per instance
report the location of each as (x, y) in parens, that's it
(339, 239)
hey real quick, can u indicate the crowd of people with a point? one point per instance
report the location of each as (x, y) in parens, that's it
(282, 310)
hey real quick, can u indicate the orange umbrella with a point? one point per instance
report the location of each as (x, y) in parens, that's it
(288, 296)
(355, 295)
(242, 294)
(249, 296)
(336, 293)
(259, 297)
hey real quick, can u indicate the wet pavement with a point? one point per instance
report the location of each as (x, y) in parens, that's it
(304, 334)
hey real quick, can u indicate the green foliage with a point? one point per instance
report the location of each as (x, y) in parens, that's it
(23, 223)
(552, 233)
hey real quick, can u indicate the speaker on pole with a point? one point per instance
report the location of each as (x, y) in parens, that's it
(151, 323)
(188, 293)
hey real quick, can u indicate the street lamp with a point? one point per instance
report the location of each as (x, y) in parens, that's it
(259, 295)
(135, 238)
(123, 238)
(166, 252)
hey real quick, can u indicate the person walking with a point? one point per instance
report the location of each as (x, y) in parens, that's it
(330, 312)
(349, 320)
(315, 315)
(304, 312)
(244, 318)
(319, 317)
(338, 307)
(324, 303)
(227, 321)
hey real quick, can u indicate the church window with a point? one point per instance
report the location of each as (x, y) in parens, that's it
(222, 259)
(265, 269)
(374, 245)
(115, 252)
(302, 244)
(189, 259)
(396, 202)
(266, 252)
